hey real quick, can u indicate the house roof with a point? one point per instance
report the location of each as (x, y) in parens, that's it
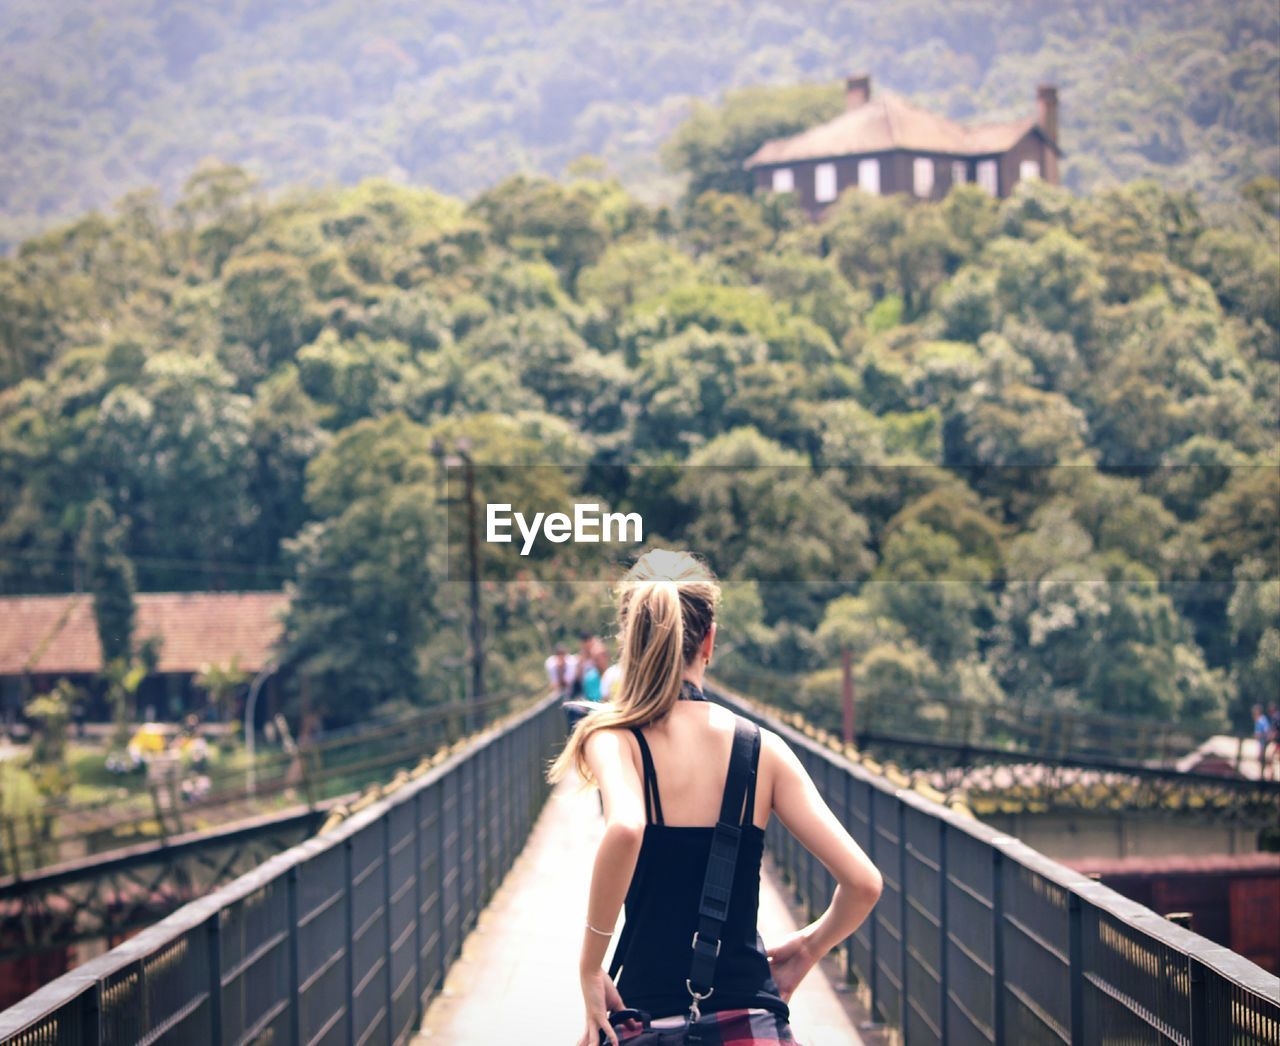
(58, 634)
(1224, 753)
(889, 122)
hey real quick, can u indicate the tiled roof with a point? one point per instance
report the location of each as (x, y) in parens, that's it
(887, 123)
(58, 634)
(1224, 753)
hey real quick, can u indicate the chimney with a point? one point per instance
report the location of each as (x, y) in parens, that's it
(1047, 111)
(857, 91)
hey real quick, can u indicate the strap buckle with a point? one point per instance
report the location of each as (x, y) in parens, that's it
(695, 948)
(694, 1012)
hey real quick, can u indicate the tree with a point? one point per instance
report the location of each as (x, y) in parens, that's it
(1080, 628)
(1254, 612)
(1054, 281)
(711, 145)
(221, 682)
(938, 594)
(172, 451)
(538, 215)
(109, 575)
(368, 567)
(1239, 521)
(218, 211)
(633, 271)
(760, 513)
(123, 678)
(52, 714)
(268, 306)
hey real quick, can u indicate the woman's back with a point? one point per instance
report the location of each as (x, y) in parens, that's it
(683, 802)
(661, 765)
(690, 748)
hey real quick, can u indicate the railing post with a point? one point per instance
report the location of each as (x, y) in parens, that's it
(848, 820)
(215, 977)
(997, 943)
(93, 1034)
(468, 880)
(348, 910)
(943, 973)
(385, 820)
(491, 818)
(902, 913)
(442, 873)
(504, 809)
(418, 979)
(480, 824)
(292, 961)
(1199, 1004)
(1075, 966)
(875, 931)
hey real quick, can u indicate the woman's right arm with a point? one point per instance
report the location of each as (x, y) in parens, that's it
(858, 883)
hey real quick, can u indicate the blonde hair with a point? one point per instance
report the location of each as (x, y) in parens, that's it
(666, 606)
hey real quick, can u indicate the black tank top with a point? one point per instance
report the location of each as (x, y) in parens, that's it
(651, 962)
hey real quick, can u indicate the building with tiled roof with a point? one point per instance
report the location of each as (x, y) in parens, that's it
(889, 145)
(47, 638)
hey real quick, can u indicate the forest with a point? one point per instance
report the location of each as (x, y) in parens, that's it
(1017, 450)
(103, 99)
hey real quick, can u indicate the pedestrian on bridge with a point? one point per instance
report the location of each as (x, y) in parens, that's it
(562, 667)
(1262, 726)
(685, 857)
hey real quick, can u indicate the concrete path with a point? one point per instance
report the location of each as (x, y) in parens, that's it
(517, 977)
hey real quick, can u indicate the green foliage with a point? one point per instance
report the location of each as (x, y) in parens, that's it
(712, 144)
(109, 576)
(1017, 450)
(52, 713)
(545, 219)
(1254, 611)
(367, 566)
(221, 683)
(123, 677)
(462, 96)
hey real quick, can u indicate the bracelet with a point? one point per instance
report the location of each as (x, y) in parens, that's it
(602, 933)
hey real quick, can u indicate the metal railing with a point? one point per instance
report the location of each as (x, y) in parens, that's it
(1025, 729)
(339, 762)
(979, 938)
(343, 938)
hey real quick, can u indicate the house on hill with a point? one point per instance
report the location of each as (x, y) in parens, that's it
(888, 145)
(47, 638)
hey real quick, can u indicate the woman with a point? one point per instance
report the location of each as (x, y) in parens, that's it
(660, 754)
(593, 675)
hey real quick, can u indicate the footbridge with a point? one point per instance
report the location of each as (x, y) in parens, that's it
(449, 910)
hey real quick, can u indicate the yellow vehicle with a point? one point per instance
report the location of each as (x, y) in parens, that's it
(150, 739)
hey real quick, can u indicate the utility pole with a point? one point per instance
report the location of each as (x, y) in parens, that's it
(846, 692)
(461, 458)
(473, 572)
(250, 707)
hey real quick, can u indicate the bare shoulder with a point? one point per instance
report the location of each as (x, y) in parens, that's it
(612, 745)
(775, 746)
(608, 743)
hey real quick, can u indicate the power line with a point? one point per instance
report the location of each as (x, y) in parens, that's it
(192, 566)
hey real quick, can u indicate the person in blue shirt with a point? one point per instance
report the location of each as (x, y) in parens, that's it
(1262, 734)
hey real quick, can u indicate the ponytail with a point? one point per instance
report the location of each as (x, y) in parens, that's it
(666, 605)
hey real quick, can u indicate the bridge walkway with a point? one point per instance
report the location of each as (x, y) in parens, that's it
(518, 969)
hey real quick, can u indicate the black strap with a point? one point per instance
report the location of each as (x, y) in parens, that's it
(737, 809)
(652, 809)
(651, 806)
(717, 886)
(620, 951)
